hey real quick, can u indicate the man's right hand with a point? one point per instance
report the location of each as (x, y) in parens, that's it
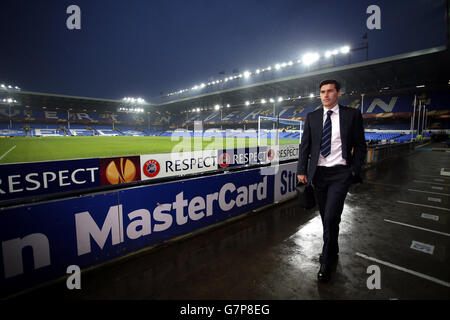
(302, 178)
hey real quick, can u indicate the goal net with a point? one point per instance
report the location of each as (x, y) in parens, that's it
(272, 131)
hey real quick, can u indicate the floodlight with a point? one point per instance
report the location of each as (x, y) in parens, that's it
(290, 63)
(335, 52)
(310, 58)
(198, 109)
(311, 95)
(228, 105)
(247, 103)
(269, 68)
(271, 100)
(258, 71)
(280, 99)
(216, 107)
(263, 101)
(247, 74)
(202, 85)
(284, 64)
(345, 49)
(277, 66)
(328, 54)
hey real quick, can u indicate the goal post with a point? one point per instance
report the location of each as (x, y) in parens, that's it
(271, 130)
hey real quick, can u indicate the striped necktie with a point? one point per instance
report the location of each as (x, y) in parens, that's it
(325, 146)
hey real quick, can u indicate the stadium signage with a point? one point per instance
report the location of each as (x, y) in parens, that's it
(31, 179)
(241, 157)
(92, 229)
(288, 152)
(176, 164)
(285, 181)
(151, 168)
(119, 170)
(163, 216)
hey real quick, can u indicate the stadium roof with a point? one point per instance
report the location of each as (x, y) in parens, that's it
(429, 67)
(37, 99)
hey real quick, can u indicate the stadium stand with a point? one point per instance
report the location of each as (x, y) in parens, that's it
(386, 118)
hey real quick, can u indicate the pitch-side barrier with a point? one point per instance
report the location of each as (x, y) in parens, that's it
(41, 240)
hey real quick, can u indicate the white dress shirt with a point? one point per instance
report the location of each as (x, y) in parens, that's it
(335, 157)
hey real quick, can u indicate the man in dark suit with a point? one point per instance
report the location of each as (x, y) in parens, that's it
(332, 152)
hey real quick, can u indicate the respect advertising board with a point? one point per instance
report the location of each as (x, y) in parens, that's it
(177, 164)
(89, 230)
(228, 158)
(288, 152)
(38, 178)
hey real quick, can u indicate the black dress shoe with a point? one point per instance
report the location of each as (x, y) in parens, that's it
(324, 274)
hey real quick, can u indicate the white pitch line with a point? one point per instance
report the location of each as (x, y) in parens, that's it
(7, 152)
(420, 228)
(430, 182)
(415, 273)
(441, 194)
(423, 205)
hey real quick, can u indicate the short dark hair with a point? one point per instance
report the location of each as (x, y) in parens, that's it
(331, 81)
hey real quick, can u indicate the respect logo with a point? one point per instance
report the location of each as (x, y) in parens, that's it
(119, 170)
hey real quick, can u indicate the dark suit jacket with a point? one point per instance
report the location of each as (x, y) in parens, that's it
(352, 137)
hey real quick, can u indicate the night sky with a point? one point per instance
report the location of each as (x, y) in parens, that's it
(144, 47)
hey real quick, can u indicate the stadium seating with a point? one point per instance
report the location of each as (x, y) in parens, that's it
(396, 108)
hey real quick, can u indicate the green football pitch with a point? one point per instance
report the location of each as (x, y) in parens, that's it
(32, 149)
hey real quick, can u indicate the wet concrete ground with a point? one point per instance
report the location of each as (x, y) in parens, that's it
(274, 254)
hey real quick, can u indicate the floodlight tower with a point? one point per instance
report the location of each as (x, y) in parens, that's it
(10, 102)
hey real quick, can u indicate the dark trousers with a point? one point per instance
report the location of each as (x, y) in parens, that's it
(331, 185)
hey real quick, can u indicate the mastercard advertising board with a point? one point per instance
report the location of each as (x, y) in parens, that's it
(155, 166)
